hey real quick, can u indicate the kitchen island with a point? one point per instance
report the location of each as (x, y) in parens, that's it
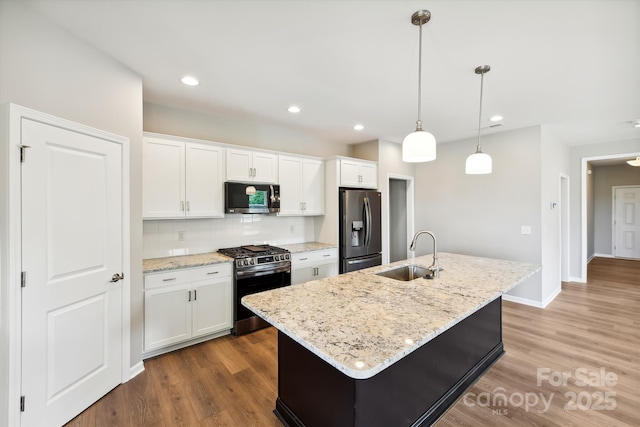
(366, 350)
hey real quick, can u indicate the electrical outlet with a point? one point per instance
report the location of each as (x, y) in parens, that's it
(525, 229)
(180, 235)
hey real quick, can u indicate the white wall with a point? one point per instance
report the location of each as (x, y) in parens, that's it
(481, 215)
(554, 162)
(208, 235)
(45, 68)
(576, 153)
(605, 178)
(189, 124)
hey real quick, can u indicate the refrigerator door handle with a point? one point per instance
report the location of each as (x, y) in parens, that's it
(367, 229)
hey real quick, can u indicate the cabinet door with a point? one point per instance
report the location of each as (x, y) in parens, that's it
(327, 270)
(302, 274)
(204, 180)
(289, 172)
(265, 167)
(167, 316)
(349, 173)
(239, 165)
(212, 306)
(369, 175)
(162, 178)
(312, 187)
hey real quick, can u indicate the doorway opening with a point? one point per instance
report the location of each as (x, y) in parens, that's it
(400, 217)
(586, 216)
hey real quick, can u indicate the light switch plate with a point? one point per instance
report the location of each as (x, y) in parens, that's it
(525, 229)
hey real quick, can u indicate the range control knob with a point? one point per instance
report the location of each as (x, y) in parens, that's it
(251, 262)
(246, 262)
(277, 257)
(287, 256)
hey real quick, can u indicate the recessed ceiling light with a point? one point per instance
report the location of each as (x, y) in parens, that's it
(190, 81)
(294, 109)
(358, 127)
(496, 118)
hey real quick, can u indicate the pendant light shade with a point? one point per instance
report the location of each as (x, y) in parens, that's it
(419, 146)
(479, 163)
(635, 162)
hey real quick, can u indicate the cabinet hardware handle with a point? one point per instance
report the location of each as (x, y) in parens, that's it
(326, 255)
(187, 206)
(189, 295)
(182, 208)
(195, 294)
(168, 280)
(117, 277)
(303, 259)
(213, 272)
(254, 172)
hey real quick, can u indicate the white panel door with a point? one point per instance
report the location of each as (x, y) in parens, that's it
(289, 173)
(71, 248)
(204, 180)
(627, 222)
(163, 178)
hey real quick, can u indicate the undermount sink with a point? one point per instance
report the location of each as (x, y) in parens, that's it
(406, 273)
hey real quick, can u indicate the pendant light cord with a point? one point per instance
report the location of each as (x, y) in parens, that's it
(478, 150)
(419, 122)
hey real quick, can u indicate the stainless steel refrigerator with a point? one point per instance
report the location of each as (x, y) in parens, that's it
(360, 229)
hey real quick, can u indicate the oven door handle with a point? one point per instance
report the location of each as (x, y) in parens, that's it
(270, 270)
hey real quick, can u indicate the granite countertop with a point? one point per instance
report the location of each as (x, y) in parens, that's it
(361, 323)
(153, 265)
(306, 247)
(183, 261)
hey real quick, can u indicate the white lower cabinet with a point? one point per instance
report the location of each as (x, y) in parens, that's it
(184, 305)
(313, 265)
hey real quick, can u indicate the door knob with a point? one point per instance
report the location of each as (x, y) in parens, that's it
(117, 277)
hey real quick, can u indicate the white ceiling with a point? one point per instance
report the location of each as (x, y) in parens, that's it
(572, 65)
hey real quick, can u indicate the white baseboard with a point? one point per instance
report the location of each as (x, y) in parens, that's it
(525, 301)
(602, 256)
(136, 369)
(551, 297)
(577, 279)
(590, 258)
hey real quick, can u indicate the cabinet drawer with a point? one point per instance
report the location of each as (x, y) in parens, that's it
(314, 256)
(156, 280)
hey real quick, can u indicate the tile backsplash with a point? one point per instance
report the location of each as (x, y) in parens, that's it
(173, 237)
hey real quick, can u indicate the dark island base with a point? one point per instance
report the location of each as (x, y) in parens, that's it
(414, 391)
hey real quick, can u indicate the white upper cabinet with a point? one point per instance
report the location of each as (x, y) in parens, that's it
(301, 185)
(358, 173)
(247, 165)
(182, 179)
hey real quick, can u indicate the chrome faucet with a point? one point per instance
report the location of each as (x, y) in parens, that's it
(434, 267)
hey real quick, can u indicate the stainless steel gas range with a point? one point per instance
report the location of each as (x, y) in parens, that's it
(257, 268)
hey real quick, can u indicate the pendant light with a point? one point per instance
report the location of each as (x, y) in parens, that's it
(479, 163)
(635, 162)
(419, 146)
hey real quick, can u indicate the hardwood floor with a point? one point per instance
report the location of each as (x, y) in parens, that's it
(590, 332)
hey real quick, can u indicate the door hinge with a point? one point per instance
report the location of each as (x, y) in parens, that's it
(21, 403)
(23, 153)
(23, 279)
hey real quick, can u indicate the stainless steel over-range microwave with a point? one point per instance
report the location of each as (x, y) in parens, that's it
(251, 198)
